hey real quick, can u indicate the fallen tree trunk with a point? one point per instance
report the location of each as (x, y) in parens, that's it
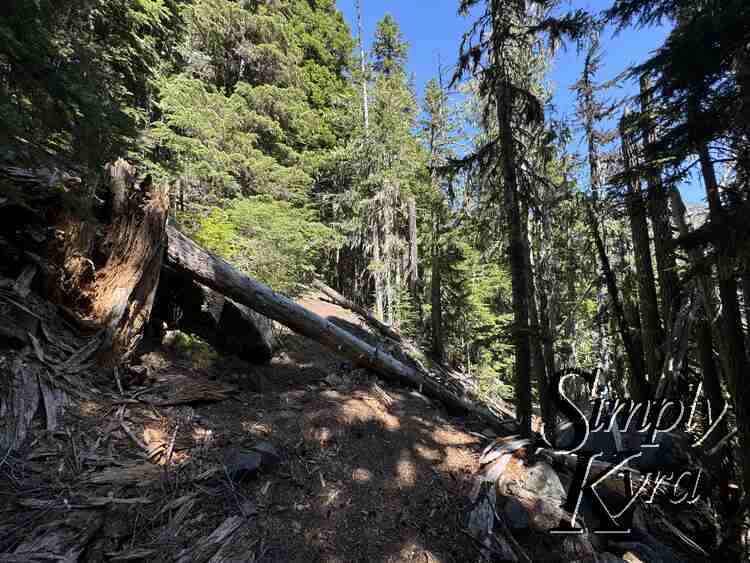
(423, 364)
(189, 259)
(117, 292)
(370, 319)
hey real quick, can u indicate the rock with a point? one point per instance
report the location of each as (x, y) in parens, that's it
(631, 557)
(516, 514)
(481, 525)
(255, 343)
(638, 553)
(242, 464)
(654, 552)
(533, 495)
(578, 548)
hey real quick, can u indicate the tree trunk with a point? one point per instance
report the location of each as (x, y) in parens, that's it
(413, 251)
(651, 331)
(378, 271)
(733, 337)
(746, 303)
(540, 359)
(639, 388)
(436, 299)
(659, 213)
(342, 301)
(363, 67)
(122, 293)
(518, 258)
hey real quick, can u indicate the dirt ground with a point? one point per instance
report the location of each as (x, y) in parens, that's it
(367, 471)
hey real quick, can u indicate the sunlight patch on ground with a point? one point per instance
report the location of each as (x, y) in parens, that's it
(361, 475)
(406, 471)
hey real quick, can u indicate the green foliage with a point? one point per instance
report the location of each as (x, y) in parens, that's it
(476, 312)
(272, 241)
(234, 145)
(255, 108)
(389, 49)
(200, 354)
(76, 76)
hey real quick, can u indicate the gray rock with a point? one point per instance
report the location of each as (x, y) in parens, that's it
(232, 329)
(242, 464)
(533, 496)
(271, 457)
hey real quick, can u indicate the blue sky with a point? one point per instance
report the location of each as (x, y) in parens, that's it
(434, 31)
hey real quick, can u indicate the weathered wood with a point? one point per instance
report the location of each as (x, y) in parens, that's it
(187, 258)
(124, 290)
(434, 369)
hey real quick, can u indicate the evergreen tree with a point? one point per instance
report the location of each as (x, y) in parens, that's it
(509, 35)
(76, 78)
(389, 49)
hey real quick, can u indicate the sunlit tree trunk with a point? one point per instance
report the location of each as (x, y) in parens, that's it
(436, 313)
(363, 66)
(413, 251)
(377, 273)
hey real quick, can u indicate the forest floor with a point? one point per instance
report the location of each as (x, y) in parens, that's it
(360, 470)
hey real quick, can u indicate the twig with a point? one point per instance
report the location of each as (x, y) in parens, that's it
(117, 379)
(5, 457)
(130, 433)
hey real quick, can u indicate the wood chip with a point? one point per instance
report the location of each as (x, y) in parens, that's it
(22, 285)
(133, 555)
(38, 352)
(53, 400)
(140, 474)
(205, 549)
(81, 504)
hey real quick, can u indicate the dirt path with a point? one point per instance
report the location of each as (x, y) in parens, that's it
(370, 473)
(365, 471)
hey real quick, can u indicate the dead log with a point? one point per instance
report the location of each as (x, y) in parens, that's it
(189, 259)
(342, 301)
(118, 279)
(124, 290)
(232, 329)
(413, 355)
(105, 282)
